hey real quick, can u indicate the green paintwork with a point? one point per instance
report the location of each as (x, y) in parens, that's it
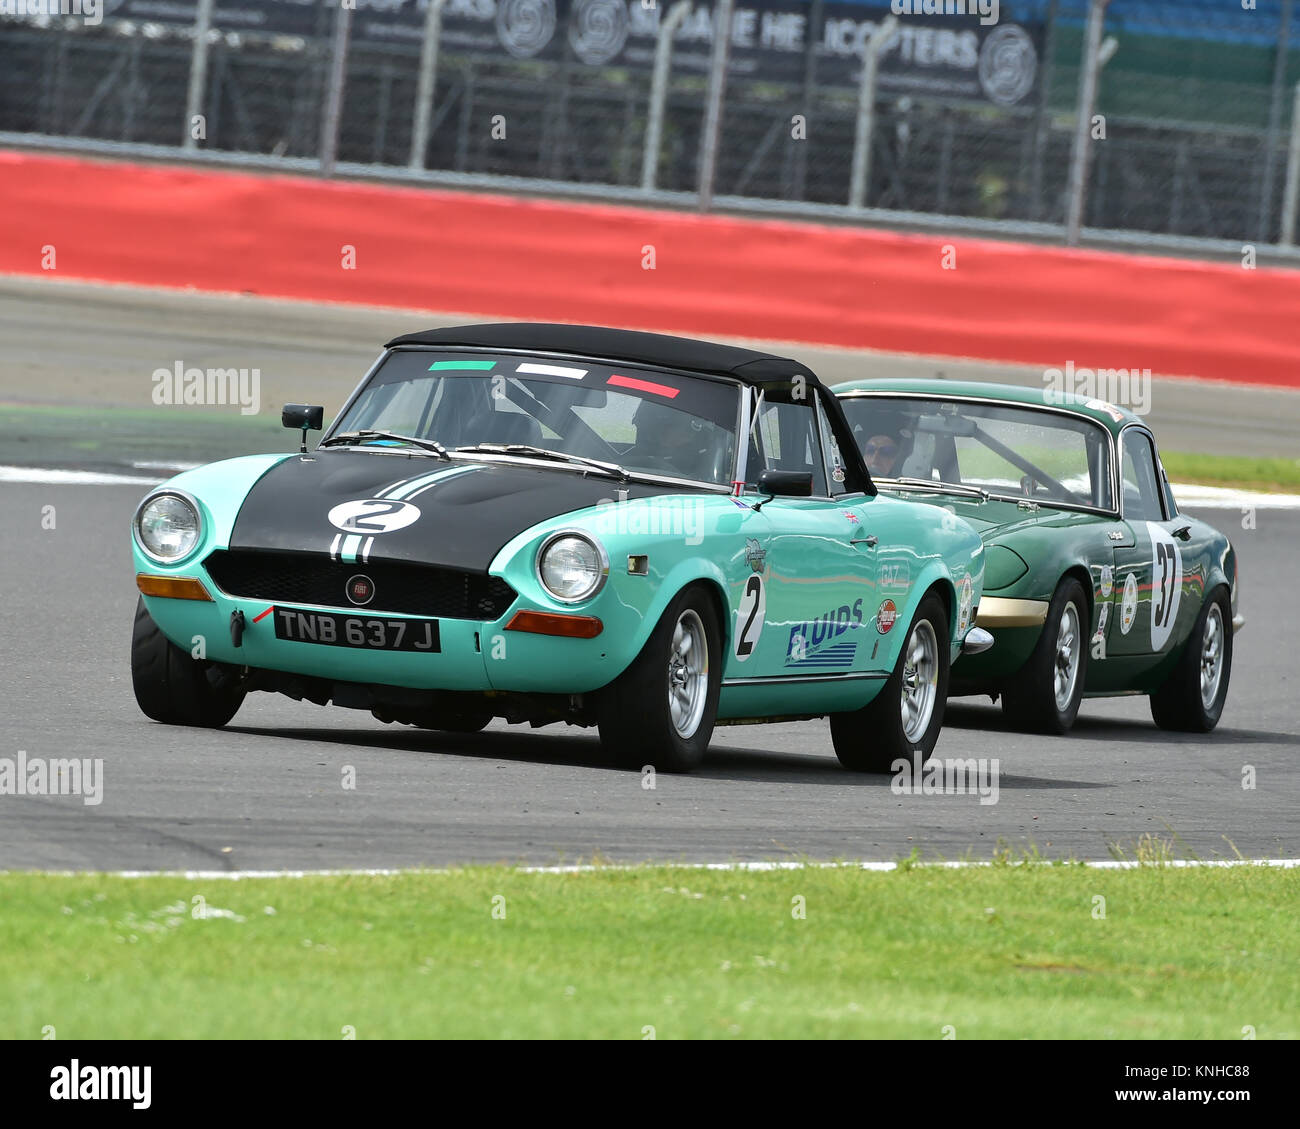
(1054, 542)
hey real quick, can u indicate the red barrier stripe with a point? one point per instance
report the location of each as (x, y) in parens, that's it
(496, 256)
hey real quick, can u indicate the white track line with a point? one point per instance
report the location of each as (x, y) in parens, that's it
(1193, 497)
(41, 476)
(585, 868)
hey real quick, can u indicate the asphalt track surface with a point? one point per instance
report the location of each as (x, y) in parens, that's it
(266, 792)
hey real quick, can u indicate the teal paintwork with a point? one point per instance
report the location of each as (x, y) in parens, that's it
(810, 572)
(1115, 559)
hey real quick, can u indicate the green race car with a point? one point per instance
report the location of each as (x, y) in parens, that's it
(559, 523)
(1095, 584)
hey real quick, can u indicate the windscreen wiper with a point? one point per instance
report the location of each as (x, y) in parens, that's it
(945, 487)
(368, 434)
(546, 453)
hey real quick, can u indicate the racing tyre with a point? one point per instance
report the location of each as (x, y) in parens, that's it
(1192, 698)
(1047, 691)
(904, 719)
(174, 688)
(661, 710)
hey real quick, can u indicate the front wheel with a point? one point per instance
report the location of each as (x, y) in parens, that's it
(904, 719)
(1191, 700)
(661, 710)
(171, 686)
(1047, 691)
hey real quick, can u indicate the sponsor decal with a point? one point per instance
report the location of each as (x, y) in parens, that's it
(967, 594)
(1107, 581)
(896, 574)
(755, 554)
(837, 475)
(819, 643)
(1128, 604)
(886, 615)
(1103, 617)
(462, 366)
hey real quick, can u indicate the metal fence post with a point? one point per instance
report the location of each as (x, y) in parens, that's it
(659, 92)
(198, 73)
(426, 86)
(866, 123)
(1089, 74)
(1291, 198)
(329, 126)
(713, 109)
(1263, 226)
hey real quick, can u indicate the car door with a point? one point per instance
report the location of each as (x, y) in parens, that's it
(1148, 612)
(819, 564)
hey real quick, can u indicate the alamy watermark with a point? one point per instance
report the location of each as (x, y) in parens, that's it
(1124, 387)
(953, 776)
(221, 386)
(90, 11)
(60, 776)
(987, 10)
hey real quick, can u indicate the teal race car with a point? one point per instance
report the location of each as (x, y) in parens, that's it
(555, 523)
(1095, 583)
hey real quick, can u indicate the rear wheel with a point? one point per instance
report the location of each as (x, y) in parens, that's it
(904, 719)
(171, 686)
(1191, 700)
(1047, 692)
(661, 710)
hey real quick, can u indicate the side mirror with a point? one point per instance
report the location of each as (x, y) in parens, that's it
(303, 417)
(786, 483)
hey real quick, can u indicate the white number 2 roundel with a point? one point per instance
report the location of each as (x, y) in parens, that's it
(749, 617)
(1166, 585)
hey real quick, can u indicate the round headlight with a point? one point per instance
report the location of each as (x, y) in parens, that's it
(571, 568)
(167, 527)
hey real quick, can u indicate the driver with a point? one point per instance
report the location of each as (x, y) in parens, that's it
(883, 450)
(673, 442)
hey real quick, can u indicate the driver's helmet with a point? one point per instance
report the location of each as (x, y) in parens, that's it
(674, 442)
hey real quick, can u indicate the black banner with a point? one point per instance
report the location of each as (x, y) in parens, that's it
(951, 56)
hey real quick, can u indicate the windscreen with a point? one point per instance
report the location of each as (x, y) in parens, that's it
(663, 424)
(1006, 450)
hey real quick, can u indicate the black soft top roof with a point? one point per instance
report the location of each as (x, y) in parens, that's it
(684, 353)
(688, 354)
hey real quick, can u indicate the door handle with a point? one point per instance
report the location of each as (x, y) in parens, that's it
(871, 540)
(1183, 533)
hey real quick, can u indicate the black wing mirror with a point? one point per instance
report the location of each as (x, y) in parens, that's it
(303, 417)
(786, 483)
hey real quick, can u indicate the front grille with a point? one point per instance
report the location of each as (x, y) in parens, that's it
(313, 578)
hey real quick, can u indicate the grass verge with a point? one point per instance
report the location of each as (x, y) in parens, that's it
(1007, 951)
(1277, 476)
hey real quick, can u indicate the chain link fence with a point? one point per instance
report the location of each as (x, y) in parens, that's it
(1156, 118)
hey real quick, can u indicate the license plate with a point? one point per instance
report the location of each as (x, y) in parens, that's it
(364, 632)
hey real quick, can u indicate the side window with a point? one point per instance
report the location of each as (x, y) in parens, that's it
(785, 438)
(833, 464)
(1142, 488)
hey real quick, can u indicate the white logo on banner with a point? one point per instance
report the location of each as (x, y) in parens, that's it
(1008, 65)
(525, 27)
(598, 29)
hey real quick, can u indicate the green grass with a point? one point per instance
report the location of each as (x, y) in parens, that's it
(1281, 476)
(48, 435)
(1008, 951)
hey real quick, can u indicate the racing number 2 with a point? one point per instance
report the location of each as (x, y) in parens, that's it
(750, 614)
